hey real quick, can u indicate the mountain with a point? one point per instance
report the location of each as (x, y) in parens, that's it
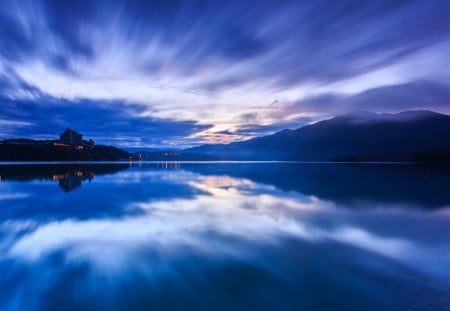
(356, 136)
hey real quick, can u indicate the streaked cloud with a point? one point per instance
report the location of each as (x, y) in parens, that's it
(420, 94)
(209, 63)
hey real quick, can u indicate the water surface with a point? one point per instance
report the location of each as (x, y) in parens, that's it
(224, 236)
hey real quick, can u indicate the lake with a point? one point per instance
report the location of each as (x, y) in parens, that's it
(224, 236)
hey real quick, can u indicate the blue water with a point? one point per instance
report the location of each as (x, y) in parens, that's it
(224, 236)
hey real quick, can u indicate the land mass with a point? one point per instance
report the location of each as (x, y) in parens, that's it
(69, 147)
(47, 151)
(362, 136)
(418, 135)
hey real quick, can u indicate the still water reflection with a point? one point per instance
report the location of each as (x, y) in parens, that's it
(224, 236)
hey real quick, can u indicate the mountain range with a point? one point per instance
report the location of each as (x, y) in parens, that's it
(357, 136)
(418, 135)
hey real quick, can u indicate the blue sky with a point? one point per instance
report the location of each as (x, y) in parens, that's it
(182, 73)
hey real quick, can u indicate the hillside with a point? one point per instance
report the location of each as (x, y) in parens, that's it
(46, 151)
(358, 136)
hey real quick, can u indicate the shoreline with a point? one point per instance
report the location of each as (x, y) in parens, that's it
(133, 162)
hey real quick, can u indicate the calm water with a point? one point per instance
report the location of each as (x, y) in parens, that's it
(224, 237)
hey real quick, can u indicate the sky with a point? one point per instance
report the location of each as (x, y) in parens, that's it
(175, 74)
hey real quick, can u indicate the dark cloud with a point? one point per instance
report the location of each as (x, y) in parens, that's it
(65, 19)
(260, 130)
(249, 117)
(420, 94)
(10, 84)
(318, 40)
(14, 41)
(225, 132)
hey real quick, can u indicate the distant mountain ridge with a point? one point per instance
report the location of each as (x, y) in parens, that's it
(357, 136)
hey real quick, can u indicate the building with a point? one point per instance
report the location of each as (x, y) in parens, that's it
(70, 137)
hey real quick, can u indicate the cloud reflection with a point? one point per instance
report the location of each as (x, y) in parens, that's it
(228, 208)
(195, 230)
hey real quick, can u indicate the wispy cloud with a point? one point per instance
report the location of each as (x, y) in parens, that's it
(211, 62)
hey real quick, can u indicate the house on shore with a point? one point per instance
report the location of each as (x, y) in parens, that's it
(73, 138)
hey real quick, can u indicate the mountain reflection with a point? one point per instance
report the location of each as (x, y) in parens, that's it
(225, 237)
(346, 184)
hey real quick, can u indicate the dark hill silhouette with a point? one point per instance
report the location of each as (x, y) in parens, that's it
(357, 136)
(46, 151)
